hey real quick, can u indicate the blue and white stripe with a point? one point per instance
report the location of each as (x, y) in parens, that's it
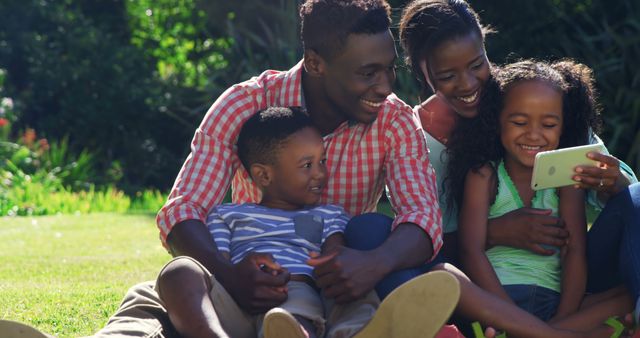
(243, 228)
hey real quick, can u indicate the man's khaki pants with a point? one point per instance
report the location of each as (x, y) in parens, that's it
(143, 314)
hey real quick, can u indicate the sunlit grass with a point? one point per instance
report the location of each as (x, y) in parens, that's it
(66, 275)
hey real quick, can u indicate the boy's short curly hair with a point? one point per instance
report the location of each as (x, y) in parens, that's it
(264, 133)
(326, 24)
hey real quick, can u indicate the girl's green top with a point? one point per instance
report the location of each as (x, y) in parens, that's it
(518, 266)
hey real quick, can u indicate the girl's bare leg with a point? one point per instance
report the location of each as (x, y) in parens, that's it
(596, 309)
(478, 304)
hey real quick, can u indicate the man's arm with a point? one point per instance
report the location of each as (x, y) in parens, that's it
(251, 282)
(191, 238)
(411, 181)
(206, 174)
(347, 274)
(201, 184)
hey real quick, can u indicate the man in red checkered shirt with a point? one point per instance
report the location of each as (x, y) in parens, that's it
(372, 139)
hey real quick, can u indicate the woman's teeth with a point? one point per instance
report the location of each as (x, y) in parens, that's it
(468, 99)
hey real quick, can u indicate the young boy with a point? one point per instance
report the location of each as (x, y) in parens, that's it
(284, 154)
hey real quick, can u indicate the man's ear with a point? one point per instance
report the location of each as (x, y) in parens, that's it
(261, 174)
(314, 64)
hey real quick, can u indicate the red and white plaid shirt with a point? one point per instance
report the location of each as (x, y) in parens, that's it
(361, 159)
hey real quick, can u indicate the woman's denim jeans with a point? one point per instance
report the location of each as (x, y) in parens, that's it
(613, 244)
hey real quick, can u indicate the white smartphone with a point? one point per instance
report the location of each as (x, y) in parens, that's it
(555, 168)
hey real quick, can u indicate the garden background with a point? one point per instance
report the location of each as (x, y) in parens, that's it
(99, 100)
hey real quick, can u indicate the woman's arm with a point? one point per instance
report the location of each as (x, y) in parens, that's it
(472, 232)
(528, 229)
(574, 262)
(607, 179)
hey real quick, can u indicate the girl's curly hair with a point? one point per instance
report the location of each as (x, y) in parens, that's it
(476, 141)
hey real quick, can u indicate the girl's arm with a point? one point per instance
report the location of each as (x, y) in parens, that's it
(574, 265)
(479, 190)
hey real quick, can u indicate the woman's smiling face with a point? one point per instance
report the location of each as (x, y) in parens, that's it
(458, 69)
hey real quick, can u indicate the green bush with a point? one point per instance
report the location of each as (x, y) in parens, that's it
(131, 80)
(72, 69)
(22, 195)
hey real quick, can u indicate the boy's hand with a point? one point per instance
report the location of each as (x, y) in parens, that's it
(258, 283)
(344, 274)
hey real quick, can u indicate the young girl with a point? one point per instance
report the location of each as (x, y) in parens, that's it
(444, 46)
(527, 107)
(443, 43)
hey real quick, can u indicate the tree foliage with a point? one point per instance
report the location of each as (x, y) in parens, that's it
(131, 79)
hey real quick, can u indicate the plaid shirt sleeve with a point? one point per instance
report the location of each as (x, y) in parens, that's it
(206, 174)
(410, 178)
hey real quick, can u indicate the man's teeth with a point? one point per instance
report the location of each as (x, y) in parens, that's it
(468, 99)
(372, 104)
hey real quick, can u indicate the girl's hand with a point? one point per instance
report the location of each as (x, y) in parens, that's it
(606, 178)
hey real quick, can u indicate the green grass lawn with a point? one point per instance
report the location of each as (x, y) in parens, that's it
(66, 275)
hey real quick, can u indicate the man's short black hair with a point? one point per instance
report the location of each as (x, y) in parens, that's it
(264, 133)
(326, 24)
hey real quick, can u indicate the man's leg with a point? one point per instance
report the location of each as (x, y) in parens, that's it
(141, 314)
(198, 306)
(369, 231)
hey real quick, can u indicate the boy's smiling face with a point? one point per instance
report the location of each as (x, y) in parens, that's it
(299, 174)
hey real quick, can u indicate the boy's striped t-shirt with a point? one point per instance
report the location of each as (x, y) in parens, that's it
(288, 235)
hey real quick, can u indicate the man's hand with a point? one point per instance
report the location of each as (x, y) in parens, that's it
(345, 274)
(529, 229)
(257, 283)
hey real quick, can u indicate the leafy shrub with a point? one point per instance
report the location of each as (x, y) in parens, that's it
(72, 67)
(131, 80)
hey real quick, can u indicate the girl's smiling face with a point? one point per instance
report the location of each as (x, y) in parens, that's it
(458, 69)
(530, 121)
